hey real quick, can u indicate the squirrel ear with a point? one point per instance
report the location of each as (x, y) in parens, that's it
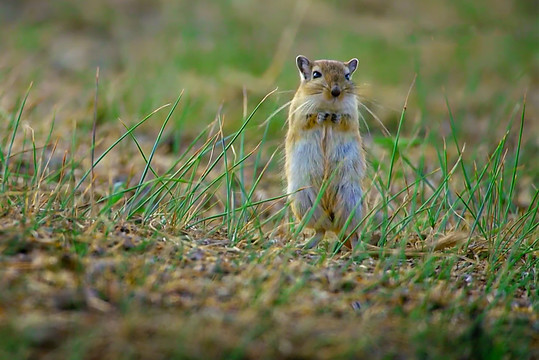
(352, 65)
(304, 67)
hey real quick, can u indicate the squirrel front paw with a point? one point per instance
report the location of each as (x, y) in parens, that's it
(322, 116)
(336, 118)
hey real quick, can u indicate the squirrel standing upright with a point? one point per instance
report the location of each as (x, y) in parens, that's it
(325, 162)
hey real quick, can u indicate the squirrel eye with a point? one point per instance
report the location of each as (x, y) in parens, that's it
(347, 76)
(316, 74)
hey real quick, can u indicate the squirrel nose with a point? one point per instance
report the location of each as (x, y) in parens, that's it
(335, 91)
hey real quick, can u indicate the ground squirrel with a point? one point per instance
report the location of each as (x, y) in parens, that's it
(324, 152)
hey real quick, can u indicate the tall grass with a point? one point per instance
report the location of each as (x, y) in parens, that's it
(473, 196)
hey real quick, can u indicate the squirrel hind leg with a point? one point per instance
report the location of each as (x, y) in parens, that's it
(312, 242)
(352, 241)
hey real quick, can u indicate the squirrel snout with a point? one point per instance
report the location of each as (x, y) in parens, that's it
(335, 91)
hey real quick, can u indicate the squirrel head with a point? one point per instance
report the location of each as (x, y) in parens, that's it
(328, 79)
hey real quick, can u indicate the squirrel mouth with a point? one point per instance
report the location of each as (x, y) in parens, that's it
(332, 99)
(335, 100)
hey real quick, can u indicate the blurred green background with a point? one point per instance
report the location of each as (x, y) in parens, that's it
(482, 55)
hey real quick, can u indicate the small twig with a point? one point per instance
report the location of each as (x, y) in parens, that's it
(409, 91)
(92, 198)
